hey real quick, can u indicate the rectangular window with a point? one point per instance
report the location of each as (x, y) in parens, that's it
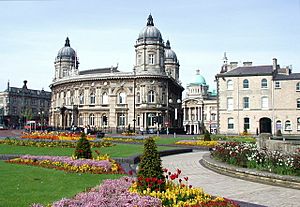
(298, 123)
(230, 123)
(229, 104)
(151, 59)
(121, 119)
(277, 84)
(246, 123)
(264, 102)
(246, 102)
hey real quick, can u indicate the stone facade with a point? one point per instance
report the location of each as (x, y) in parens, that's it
(199, 107)
(18, 105)
(258, 99)
(109, 99)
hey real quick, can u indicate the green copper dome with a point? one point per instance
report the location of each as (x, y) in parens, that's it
(199, 79)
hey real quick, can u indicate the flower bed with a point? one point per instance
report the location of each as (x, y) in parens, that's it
(198, 143)
(123, 192)
(54, 136)
(55, 143)
(117, 139)
(248, 155)
(101, 165)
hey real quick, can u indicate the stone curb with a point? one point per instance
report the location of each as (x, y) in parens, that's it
(250, 174)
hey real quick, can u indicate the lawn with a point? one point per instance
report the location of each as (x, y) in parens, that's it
(119, 150)
(23, 185)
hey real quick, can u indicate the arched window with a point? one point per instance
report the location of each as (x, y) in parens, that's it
(163, 95)
(245, 83)
(81, 99)
(288, 125)
(80, 117)
(138, 97)
(104, 120)
(122, 97)
(121, 119)
(229, 85)
(104, 98)
(92, 98)
(264, 83)
(230, 123)
(151, 97)
(278, 125)
(298, 86)
(298, 103)
(92, 119)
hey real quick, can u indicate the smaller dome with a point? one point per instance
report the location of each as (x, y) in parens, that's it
(170, 54)
(199, 79)
(150, 31)
(66, 51)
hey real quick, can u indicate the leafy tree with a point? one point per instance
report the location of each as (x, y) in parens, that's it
(150, 173)
(207, 136)
(83, 148)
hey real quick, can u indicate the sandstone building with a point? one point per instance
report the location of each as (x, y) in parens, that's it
(258, 99)
(148, 98)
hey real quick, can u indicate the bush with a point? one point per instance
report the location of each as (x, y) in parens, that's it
(150, 168)
(207, 136)
(83, 148)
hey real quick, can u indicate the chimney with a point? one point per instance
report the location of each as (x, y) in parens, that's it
(25, 84)
(274, 64)
(245, 64)
(233, 65)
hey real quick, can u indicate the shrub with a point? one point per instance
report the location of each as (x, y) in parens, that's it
(207, 136)
(150, 167)
(83, 148)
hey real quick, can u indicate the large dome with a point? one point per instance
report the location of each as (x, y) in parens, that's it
(150, 31)
(199, 79)
(170, 54)
(66, 51)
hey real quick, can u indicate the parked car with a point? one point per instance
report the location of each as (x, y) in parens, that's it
(2, 127)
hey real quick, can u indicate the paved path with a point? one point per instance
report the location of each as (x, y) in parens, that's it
(233, 188)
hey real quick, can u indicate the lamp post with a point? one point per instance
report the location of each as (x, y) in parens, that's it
(134, 85)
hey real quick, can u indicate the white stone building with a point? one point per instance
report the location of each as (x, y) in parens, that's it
(258, 99)
(199, 107)
(144, 99)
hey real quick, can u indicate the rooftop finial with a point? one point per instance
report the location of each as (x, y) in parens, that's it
(198, 72)
(225, 58)
(150, 20)
(67, 44)
(168, 46)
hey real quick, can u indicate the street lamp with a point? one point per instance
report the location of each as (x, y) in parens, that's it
(134, 85)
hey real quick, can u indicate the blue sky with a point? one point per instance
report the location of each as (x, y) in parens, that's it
(104, 33)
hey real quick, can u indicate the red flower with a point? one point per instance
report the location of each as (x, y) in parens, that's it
(160, 181)
(186, 178)
(165, 170)
(178, 171)
(180, 180)
(148, 180)
(130, 172)
(190, 186)
(154, 179)
(173, 176)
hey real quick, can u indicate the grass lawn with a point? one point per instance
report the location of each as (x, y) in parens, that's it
(119, 150)
(23, 185)
(171, 140)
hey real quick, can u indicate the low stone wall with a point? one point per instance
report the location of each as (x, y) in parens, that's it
(265, 141)
(250, 174)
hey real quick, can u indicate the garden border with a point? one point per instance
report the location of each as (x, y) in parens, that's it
(250, 174)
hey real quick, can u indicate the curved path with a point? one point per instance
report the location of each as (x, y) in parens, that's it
(233, 188)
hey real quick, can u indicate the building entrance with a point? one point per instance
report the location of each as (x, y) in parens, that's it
(265, 125)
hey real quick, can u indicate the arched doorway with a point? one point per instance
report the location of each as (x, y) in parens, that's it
(265, 125)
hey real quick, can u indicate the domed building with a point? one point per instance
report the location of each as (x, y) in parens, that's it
(199, 107)
(148, 98)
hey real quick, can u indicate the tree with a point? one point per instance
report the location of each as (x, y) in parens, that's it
(150, 173)
(83, 148)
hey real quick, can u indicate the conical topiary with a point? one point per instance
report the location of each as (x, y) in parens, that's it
(83, 148)
(150, 173)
